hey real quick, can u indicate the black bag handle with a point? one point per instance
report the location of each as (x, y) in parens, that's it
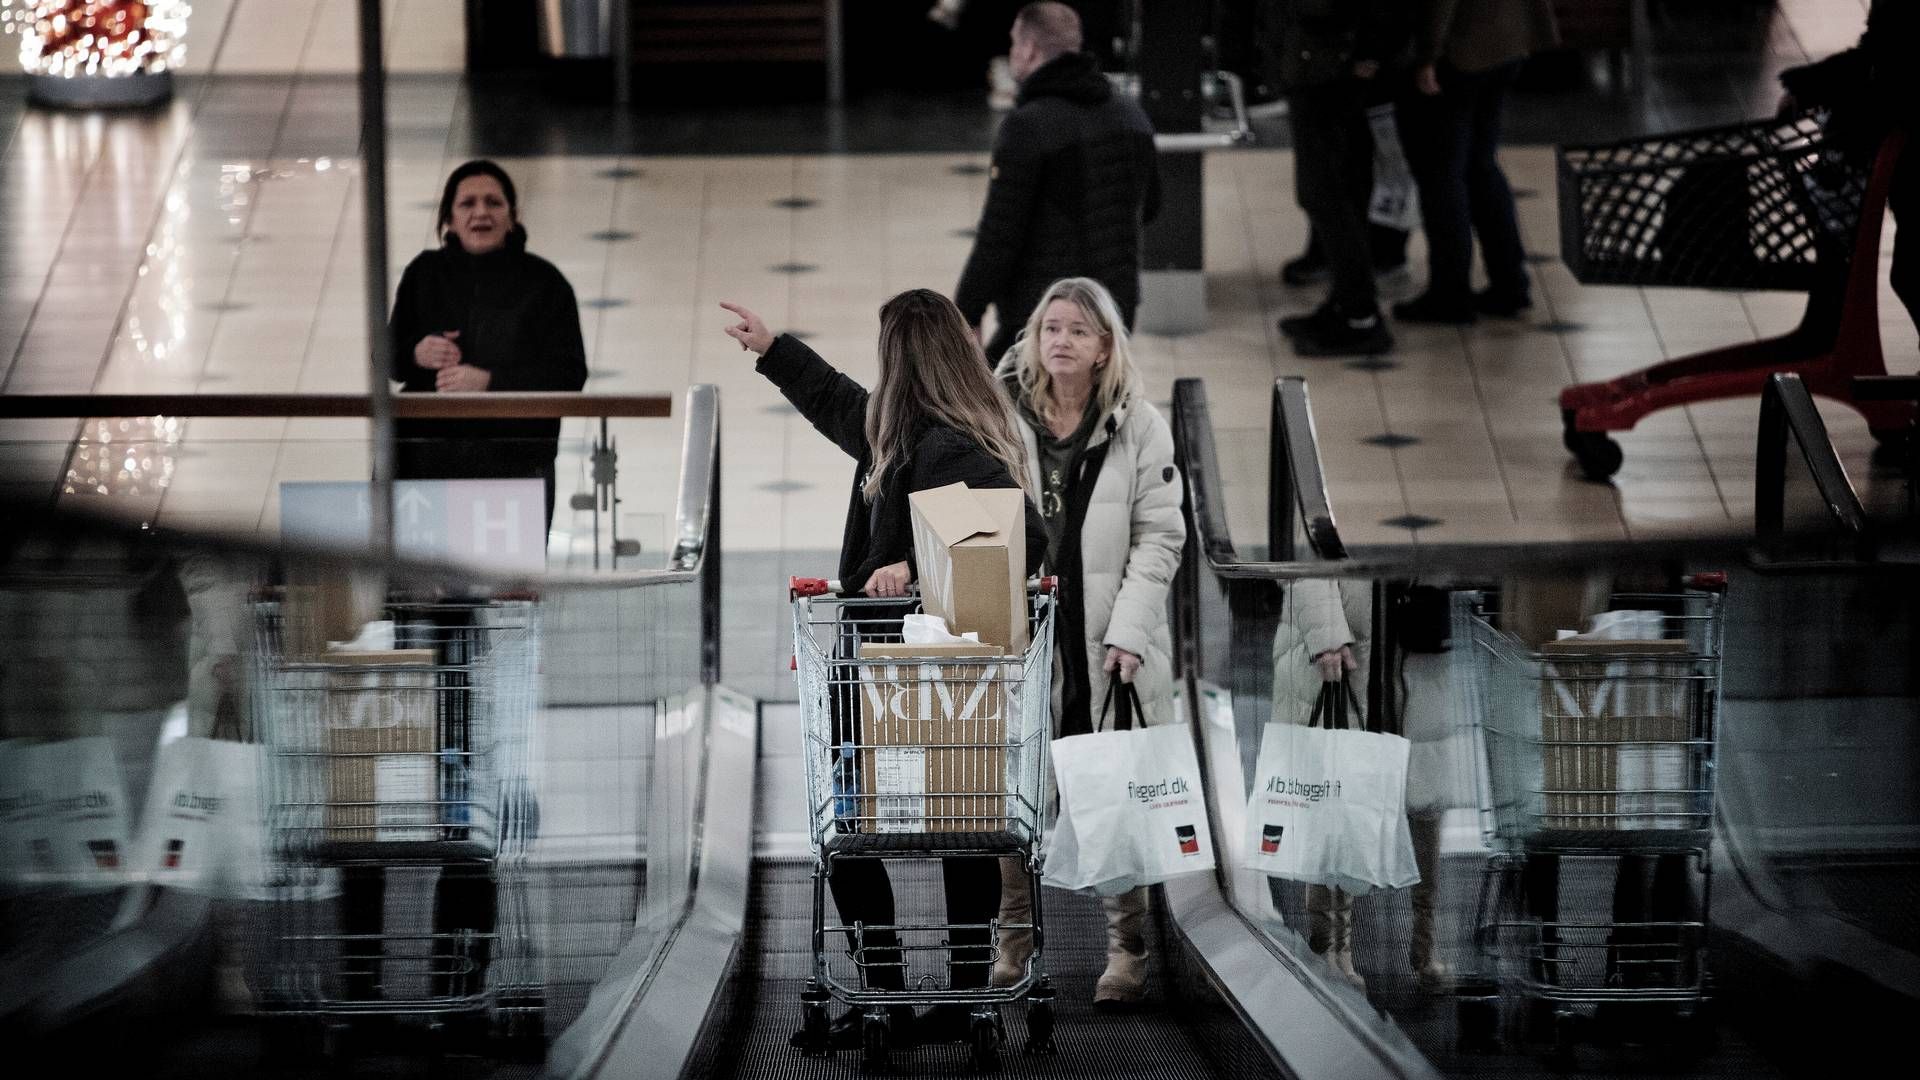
(1124, 712)
(1332, 705)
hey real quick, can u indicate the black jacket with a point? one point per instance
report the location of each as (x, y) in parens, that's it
(1308, 43)
(1074, 178)
(880, 533)
(517, 318)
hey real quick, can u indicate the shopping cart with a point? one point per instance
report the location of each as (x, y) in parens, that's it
(399, 816)
(1600, 761)
(1769, 204)
(913, 752)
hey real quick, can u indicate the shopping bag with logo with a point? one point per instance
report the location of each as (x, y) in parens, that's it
(204, 828)
(1131, 811)
(1328, 804)
(63, 814)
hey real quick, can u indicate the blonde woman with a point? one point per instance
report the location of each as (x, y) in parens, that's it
(1101, 458)
(934, 418)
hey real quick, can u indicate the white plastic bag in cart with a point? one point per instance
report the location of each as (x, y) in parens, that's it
(204, 828)
(1131, 810)
(1329, 804)
(63, 814)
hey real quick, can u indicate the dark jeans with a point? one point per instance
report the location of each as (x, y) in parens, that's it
(864, 893)
(1333, 181)
(1451, 141)
(463, 899)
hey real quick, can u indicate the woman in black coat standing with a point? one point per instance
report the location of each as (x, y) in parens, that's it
(482, 313)
(936, 417)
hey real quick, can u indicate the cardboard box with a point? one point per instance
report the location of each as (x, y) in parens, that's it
(930, 734)
(1595, 695)
(382, 741)
(971, 546)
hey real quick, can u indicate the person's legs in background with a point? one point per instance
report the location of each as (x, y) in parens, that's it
(1490, 197)
(1433, 132)
(1333, 158)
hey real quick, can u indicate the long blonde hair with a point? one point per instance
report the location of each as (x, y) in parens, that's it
(1111, 384)
(931, 372)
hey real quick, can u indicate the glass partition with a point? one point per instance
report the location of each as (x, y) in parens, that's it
(272, 798)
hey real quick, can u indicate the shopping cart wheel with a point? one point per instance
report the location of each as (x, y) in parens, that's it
(817, 1041)
(1040, 1029)
(983, 1043)
(873, 1041)
(1596, 453)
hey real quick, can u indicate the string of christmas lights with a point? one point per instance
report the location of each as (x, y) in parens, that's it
(97, 38)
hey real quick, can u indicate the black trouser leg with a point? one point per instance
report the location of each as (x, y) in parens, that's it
(973, 896)
(863, 893)
(1489, 196)
(1333, 181)
(363, 901)
(463, 900)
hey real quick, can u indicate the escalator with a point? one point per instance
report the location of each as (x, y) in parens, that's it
(1811, 915)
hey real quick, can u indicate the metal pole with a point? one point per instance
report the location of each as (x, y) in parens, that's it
(622, 55)
(373, 190)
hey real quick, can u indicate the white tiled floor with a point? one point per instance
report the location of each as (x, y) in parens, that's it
(247, 37)
(148, 258)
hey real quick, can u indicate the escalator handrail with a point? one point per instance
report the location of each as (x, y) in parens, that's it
(1296, 460)
(1298, 481)
(1788, 415)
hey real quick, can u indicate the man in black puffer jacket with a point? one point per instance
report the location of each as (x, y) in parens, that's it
(1074, 179)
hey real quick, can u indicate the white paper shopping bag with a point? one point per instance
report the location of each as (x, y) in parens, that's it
(1328, 808)
(204, 828)
(63, 814)
(1131, 810)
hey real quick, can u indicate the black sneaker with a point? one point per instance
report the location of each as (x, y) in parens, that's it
(1333, 333)
(1428, 308)
(1501, 303)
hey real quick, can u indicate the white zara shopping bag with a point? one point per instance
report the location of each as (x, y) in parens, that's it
(1329, 807)
(1131, 810)
(63, 814)
(204, 828)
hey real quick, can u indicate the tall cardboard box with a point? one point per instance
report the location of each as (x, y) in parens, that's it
(933, 740)
(971, 546)
(1610, 730)
(382, 746)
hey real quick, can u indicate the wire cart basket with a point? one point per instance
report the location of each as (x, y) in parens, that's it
(399, 816)
(920, 752)
(1600, 756)
(1771, 204)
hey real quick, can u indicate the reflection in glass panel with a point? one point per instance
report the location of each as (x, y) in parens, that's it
(1628, 793)
(267, 789)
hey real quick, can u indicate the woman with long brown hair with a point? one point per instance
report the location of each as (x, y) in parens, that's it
(935, 417)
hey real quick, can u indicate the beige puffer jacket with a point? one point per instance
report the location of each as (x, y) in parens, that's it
(1130, 547)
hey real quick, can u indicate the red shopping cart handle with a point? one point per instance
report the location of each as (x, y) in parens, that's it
(1710, 580)
(808, 586)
